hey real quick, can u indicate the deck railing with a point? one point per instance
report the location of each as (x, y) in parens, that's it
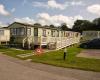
(29, 40)
(61, 42)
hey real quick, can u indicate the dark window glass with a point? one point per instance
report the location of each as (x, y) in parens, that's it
(35, 31)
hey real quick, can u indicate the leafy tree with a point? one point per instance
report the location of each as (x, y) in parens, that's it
(45, 26)
(82, 25)
(77, 25)
(52, 26)
(96, 22)
(64, 27)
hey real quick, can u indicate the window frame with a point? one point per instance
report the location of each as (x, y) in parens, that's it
(1, 32)
(28, 32)
(44, 32)
(35, 31)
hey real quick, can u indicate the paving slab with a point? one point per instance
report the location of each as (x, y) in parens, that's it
(91, 53)
(25, 55)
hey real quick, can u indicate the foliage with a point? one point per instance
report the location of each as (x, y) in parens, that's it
(96, 22)
(37, 24)
(64, 27)
(52, 26)
(82, 25)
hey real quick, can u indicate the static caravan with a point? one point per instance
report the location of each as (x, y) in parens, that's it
(90, 35)
(30, 35)
(4, 35)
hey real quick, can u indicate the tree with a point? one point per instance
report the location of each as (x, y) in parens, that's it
(45, 26)
(37, 24)
(77, 25)
(82, 25)
(96, 22)
(52, 26)
(64, 27)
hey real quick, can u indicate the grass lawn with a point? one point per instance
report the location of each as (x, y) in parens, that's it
(56, 58)
(13, 52)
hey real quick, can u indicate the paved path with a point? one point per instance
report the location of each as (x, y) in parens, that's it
(90, 53)
(15, 69)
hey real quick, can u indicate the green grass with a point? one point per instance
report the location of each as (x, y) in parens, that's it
(56, 58)
(13, 52)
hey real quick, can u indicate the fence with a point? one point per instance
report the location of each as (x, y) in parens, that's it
(61, 42)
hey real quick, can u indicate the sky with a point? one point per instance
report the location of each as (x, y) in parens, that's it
(48, 12)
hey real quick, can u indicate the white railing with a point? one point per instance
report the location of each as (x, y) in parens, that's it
(64, 42)
(24, 40)
(29, 40)
(61, 42)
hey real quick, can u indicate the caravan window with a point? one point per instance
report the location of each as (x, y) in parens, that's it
(35, 31)
(53, 33)
(76, 35)
(29, 31)
(22, 31)
(44, 32)
(17, 31)
(64, 34)
(57, 33)
(61, 33)
(1, 32)
(13, 31)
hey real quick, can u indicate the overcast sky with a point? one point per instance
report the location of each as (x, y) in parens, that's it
(48, 11)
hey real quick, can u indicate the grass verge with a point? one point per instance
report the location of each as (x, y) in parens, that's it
(56, 58)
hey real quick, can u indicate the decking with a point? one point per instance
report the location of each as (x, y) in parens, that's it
(57, 42)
